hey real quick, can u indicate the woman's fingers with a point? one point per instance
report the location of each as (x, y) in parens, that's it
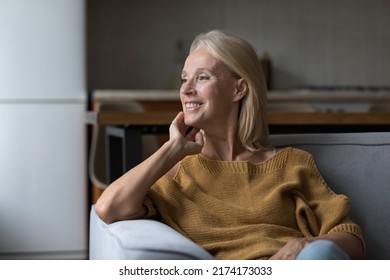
(178, 126)
(193, 137)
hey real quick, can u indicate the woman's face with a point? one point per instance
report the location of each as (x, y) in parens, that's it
(207, 91)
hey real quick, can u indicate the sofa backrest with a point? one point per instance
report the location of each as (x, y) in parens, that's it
(357, 165)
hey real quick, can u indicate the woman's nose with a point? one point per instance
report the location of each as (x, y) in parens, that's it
(187, 88)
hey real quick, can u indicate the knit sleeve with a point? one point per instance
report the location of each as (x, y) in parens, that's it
(151, 211)
(319, 209)
(154, 198)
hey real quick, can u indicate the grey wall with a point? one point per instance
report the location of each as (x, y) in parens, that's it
(131, 44)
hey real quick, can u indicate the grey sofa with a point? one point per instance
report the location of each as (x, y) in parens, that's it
(356, 164)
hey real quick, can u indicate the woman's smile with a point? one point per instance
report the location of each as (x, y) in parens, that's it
(192, 105)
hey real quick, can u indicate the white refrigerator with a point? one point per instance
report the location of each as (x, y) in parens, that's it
(43, 180)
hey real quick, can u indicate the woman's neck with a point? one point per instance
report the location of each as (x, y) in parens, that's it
(223, 147)
(230, 149)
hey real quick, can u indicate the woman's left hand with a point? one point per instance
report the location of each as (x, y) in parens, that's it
(291, 250)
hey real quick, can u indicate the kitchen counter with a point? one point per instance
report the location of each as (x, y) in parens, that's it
(273, 96)
(321, 100)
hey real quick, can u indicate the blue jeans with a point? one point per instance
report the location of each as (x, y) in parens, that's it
(322, 250)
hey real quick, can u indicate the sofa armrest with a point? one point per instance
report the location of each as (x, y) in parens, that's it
(140, 240)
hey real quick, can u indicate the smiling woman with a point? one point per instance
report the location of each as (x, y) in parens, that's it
(210, 94)
(241, 59)
(222, 184)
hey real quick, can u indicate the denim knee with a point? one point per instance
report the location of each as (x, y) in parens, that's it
(322, 250)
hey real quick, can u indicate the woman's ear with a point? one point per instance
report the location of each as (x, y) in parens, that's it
(241, 89)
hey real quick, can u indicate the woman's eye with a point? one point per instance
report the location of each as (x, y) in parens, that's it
(203, 78)
(183, 80)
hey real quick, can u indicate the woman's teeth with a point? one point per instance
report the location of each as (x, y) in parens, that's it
(192, 105)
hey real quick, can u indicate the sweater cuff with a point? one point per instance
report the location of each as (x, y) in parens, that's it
(351, 229)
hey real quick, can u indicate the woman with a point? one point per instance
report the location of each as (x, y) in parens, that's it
(222, 185)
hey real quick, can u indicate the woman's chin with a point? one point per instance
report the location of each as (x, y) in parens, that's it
(189, 121)
(194, 120)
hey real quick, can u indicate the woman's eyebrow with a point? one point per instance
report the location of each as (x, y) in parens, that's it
(202, 69)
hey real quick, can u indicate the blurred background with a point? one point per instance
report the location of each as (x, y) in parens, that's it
(134, 44)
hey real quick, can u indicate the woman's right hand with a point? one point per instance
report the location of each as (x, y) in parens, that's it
(192, 143)
(123, 199)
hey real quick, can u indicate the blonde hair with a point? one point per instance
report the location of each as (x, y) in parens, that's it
(241, 58)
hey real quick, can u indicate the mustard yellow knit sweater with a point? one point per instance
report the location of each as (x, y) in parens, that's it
(237, 210)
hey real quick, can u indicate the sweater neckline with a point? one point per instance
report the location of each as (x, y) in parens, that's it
(277, 161)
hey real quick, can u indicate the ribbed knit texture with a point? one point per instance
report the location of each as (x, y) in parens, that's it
(237, 210)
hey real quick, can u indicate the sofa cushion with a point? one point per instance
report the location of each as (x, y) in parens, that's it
(140, 239)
